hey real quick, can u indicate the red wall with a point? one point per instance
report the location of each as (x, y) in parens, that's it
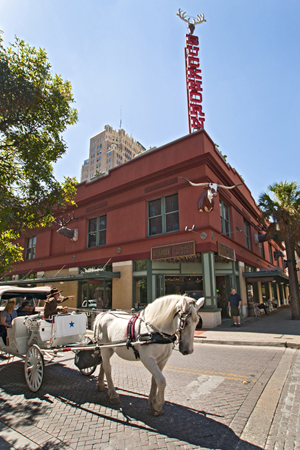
(123, 195)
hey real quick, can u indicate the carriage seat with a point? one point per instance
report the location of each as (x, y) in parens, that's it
(18, 335)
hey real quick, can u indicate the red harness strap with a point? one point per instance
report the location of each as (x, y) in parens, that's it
(130, 334)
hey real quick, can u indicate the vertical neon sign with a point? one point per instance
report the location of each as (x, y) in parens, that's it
(193, 74)
(194, 84)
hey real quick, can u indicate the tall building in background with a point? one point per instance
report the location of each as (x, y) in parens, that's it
(108, 149)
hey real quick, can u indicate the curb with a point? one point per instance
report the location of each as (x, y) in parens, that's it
(259, 423)
(286, 344)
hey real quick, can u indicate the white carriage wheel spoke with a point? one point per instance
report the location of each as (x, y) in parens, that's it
(34, 368)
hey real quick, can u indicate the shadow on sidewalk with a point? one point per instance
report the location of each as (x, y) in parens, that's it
(78, 394)
(276, 322)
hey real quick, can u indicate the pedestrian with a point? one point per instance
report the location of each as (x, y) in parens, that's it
(7, 316)
(100, 303)
(264, 307)
(234, 303)
(51, 303)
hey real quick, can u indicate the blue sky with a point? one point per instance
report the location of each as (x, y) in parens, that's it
(130, 54)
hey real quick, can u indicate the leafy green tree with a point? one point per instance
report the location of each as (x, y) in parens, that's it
(35, 109)
(282, 208)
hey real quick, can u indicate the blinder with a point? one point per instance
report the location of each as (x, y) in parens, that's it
(183, 318)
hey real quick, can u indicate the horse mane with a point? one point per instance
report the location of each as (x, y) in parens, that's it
(163, 309)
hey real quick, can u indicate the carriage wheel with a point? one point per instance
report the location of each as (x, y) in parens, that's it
(34, 368)
(88, 371)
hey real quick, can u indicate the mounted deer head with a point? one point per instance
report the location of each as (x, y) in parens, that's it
(67, 232)
(191, 25)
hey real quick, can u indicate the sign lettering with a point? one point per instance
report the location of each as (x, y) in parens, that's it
(194, 84)
(173, 251)
(226, 252)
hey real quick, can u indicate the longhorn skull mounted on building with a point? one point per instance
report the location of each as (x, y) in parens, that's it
(206, 200)
(71, 234)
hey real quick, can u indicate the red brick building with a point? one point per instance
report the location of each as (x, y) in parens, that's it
(141, 226)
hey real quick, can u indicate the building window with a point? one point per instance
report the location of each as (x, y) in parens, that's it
(225, 218)
(30, 248)
(270, 254)
(163, 215)
(97, 231)
(247, 235)
(261, 249)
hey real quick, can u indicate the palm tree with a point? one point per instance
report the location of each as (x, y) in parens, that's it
(282, 209)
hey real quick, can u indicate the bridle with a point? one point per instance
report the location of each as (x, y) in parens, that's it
(183, 318)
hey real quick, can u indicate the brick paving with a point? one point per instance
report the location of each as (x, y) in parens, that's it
(209, 398)
(285, 429)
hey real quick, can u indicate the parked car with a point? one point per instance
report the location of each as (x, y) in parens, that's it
(89, 303)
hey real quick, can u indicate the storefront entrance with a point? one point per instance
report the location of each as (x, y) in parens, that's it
(223, 293)
(190, 285)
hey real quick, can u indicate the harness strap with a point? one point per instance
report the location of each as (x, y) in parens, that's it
(130, 334)
(157, 338)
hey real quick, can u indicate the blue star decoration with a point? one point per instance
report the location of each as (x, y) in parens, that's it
(72, 324)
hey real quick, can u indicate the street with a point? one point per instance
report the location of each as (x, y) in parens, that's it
(210, 396)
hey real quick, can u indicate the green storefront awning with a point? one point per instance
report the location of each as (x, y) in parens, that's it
(97, 275)
(265, 276)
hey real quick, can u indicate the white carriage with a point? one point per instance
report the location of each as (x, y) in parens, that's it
(38, 341)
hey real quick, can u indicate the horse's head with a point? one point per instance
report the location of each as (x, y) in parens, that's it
(187, 318)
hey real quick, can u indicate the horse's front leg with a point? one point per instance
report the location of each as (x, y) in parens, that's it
(158, 385)
(106, 368)
(153, 391)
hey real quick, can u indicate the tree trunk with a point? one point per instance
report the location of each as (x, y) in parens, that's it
(293, 280)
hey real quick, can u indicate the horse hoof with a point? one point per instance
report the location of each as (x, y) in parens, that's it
(114, 400)
(156, 413)
(100, 387)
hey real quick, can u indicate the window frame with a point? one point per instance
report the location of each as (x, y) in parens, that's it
(30, 248)
(163, 214)
(270, 253)
(261, 250)
(247, 233)
(223, 209)
(98, 231)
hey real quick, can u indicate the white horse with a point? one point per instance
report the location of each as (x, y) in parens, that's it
(150, 338)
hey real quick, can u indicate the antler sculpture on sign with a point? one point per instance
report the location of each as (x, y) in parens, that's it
(206, 200)
(191, 26)
(71, 234)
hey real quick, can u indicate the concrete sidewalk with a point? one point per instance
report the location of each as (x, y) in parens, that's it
(275, 329)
